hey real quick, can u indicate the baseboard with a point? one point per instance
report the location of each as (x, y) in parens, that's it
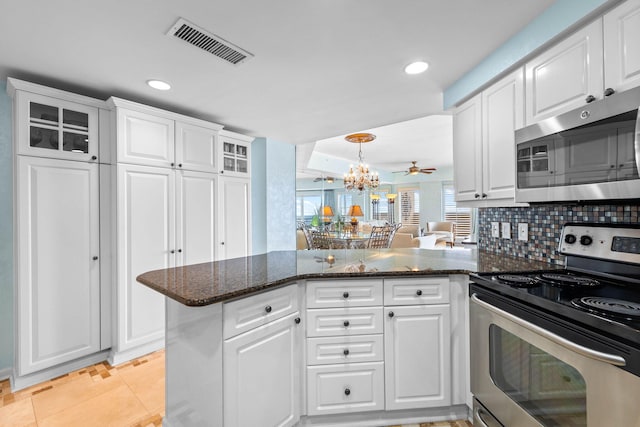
(382, 418)
(6, 373)
(24, 381)
(118, 357)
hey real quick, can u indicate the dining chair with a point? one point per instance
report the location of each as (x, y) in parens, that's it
(320, 239)
(381, 236)
(307, 234)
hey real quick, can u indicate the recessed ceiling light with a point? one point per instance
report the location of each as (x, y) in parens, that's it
(416, 67)
(159, 84)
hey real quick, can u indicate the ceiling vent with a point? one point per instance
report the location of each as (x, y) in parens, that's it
(209, 42)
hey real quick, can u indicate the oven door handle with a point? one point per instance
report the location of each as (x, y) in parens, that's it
(584, 351)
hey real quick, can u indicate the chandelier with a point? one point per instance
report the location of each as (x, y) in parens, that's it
(359, 178)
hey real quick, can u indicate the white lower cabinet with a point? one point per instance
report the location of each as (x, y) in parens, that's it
(417, 356)
(350, 387)
(57, 262)
(262, 366)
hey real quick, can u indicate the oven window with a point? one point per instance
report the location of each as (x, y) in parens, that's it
(547, 388)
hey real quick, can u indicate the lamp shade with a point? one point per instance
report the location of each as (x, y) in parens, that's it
(391, 196)
(327, 211)
(375, 197)
(355, 210)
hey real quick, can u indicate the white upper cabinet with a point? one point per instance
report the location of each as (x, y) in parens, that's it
(600, 60)
(55, 128)
(484, 143)
(467, 150)
(196, 148)
(565, 76)
(502, 114)
(153, 137)
(622, 46)
(235, 154)
(145, 139)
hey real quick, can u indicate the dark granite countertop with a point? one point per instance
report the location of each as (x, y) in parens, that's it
(212, 282)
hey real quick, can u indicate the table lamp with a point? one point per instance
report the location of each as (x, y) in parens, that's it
(327, 214)
(354, 211)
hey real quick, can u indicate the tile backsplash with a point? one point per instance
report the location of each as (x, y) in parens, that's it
(545, 225)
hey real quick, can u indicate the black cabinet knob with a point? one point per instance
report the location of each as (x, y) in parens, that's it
(268, 309)
(221, 171)
(345, 295)
(590, 99)
(477, 196)
(297, 320)
(484, 196)
(94, 158)
(418, 292)
(95, 258)
(172, 251)
(346, 352)
(346, 323)
(347, 392)
(179, 165)
(173, 164)
(179, 251)
(222, 243)
(391, 314)
(609, 91)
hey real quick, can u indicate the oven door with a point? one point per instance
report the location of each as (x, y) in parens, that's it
(527, 376)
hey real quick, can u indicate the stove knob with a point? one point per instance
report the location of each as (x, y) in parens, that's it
(586, 240)
(570, 238)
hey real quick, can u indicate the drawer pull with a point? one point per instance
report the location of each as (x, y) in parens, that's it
(347, 392)
(346, 352)
(391, 314)
(418, 292)
(346, 323)
(268, 309)
(297, 320)
(345, 295)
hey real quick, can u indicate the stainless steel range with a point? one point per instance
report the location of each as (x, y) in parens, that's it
(561, 347)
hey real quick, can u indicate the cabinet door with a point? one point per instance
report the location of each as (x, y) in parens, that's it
(196, 196)
(417, 357)
(467, 150)
(54, 128)
(502, 114)
(196, 148)
(262, 375)
(622, 46)
(145, 139)
(58, 289)
(562, 77)
(234, 218)
(235, 157)
(146, 222)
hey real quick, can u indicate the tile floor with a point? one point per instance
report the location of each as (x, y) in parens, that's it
(127, 395)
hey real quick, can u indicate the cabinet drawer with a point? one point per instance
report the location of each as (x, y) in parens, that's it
(344, 293)
(331, 350)
(245, 314)
(353, 387)
(426, 290)
(344, 321)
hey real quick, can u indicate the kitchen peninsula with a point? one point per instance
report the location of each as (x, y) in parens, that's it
(335, 337)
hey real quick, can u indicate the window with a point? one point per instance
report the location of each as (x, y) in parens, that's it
(410, 206)
(460, 216)
(307, 205)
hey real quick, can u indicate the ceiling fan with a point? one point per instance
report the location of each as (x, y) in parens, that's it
(328, 179)
(415, 170)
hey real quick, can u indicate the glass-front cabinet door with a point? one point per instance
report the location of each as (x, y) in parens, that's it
(235, 156)
(50, 127)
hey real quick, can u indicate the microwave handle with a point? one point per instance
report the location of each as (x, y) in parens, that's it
(584, 351)
(636, 142)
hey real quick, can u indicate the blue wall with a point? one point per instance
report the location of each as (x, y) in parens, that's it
(553, 21)
(273, 195)
(6, 233)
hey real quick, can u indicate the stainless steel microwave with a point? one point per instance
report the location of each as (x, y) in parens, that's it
(590, 153)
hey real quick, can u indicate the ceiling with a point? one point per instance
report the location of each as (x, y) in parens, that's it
(320, 68)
